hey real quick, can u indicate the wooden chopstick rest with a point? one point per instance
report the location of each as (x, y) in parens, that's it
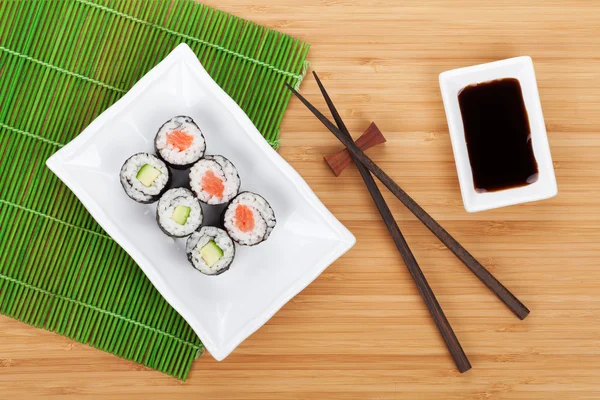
(339, 160)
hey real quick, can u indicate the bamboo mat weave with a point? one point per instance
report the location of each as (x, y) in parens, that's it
(62, 63)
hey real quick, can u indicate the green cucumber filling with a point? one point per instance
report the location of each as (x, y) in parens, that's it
(211, 253)
(147, 175)
(181, 214)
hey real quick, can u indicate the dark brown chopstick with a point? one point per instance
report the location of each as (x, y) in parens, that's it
(456, 351)
(479, 270)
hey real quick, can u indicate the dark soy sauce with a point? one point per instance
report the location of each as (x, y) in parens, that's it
(498, 135)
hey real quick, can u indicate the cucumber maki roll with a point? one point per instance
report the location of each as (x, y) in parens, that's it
(180, 142)
(215, 180)
(179, 212)
(249, 219)
(210, 250)
(144, 177)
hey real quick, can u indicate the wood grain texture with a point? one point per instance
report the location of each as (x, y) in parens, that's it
(361, 331)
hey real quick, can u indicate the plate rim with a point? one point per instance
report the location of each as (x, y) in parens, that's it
(183, 53)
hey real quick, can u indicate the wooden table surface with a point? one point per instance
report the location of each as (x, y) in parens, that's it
(361, 330)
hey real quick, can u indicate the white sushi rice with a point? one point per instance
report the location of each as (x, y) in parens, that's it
(222, 168)
(136, 189)
(173, 155)
(264, 219)
(199, 239)
(166, 207)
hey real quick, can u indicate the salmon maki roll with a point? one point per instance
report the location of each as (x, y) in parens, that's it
(249, 219)
(214, 180)
(180, 142)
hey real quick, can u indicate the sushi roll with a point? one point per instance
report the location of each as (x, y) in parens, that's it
(249, 219)
(215, 180)
(210, 250)
(179, 212)
(144, 177)
(179, 142)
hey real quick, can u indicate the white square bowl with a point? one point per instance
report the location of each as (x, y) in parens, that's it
(451, 83)
(225, 309)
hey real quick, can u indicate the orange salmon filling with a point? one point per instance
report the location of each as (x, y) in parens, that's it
(212, 184)
(244, 218)
(179, 140)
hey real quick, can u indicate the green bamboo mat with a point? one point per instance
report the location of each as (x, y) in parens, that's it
(62, 63)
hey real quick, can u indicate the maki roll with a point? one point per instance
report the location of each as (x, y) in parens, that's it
(179, 142)
(144, 177)
(215, 180)
(210, 250)
(249, 219)
(179, 212)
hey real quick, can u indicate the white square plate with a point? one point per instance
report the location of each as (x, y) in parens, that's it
(521, 68)
(223, 310)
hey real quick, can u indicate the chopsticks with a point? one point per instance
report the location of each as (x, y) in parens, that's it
(459, 251)
(456, 351)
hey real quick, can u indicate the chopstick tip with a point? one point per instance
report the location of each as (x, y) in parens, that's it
(523, 313)
(464, 368)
